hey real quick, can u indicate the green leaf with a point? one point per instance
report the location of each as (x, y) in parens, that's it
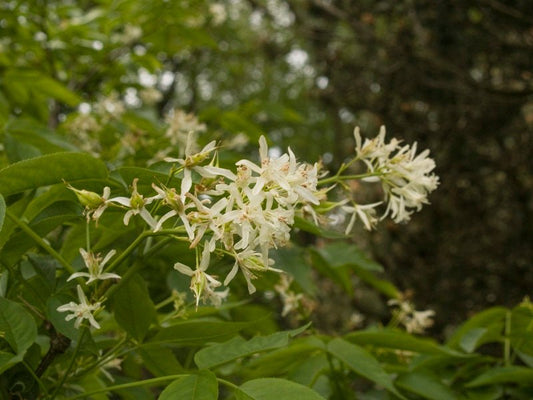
(362, 363)
(425, 385)
(160, 360)
(133, 308)
(198, 332)
(511, 374)
(57, 91)
(31, 133)
(17, 326)
(7, 360)
(292, 260)
(381, 285)
(2, 211)
(201, 386)
(307, 226)
(485, 393)
(48, 170)
(233, 121)
(146, 177)
(397, 340)
(521, 333)
(237, 347)
(492, 317)
(274, 388)
(339, 254)
(284, 360)
(17, 208)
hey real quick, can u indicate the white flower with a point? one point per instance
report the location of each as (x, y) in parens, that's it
(250, 263)
(365, 212)
(115, 363)
(136, 204)
(171, 198)
(191, 162)
(95, 265)
(414, 321)
(80, 311)
(291, 300)
(206, 218)
(203, 285)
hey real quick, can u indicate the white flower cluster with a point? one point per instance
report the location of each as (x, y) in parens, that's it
(84, 309)
(180, 126)
(244, 213)
(414, 321)
(406, 177)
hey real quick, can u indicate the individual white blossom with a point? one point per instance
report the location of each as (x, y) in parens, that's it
(250, 263)
(291, 300)
(95, 264)
(136, 204)
(115, 363)
(365, 212)
(203, 285)
(80, 311)
(192, 162)
(406, 178)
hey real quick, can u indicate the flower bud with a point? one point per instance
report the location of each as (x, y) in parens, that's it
(90, 200)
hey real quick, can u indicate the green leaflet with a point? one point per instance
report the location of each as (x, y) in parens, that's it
(511, 374)
(133, 308)
(274, 388)
(237, 347)
(425, 385)
(200, 386)
(18, 329)
(2, 211)
(362, 363)
(48, 170)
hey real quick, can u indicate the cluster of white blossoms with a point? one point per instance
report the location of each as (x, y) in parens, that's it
(246, 212)
(406, 178)
(84, 309)
(242, 214)
(180, 126)
(414, 321)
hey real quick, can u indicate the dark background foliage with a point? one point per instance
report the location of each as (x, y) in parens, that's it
(456, 77)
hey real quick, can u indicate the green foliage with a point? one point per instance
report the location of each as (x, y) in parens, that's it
(201, 386)
(270, 388)
(362, 363)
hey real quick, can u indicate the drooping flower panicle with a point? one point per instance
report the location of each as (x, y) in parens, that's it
(406, 178)
(246, 212)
